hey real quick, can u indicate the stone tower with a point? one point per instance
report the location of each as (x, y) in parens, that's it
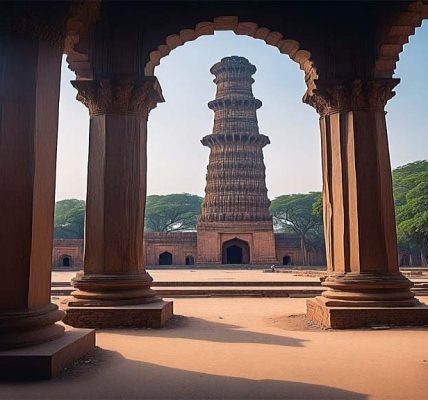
(235, 226)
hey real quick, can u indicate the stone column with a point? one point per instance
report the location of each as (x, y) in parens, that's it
(114, 289)
(29, 96)
(364, 284)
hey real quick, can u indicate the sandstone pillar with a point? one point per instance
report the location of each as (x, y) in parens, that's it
(114, 290)
(29, 96)
(364, 284)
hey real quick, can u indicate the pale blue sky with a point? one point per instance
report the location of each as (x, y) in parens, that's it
(177, 160)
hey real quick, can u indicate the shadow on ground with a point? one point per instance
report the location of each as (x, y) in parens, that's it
(200, 329)
(107, 375)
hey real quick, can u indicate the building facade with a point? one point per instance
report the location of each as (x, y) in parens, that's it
(67, 254)
(181, 249)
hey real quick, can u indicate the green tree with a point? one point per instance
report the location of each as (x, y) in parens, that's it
(172, 212)
(410, 183)
(69, 219)
(298, 213)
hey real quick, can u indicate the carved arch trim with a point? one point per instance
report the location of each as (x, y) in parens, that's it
(252, 29)
(398, 35)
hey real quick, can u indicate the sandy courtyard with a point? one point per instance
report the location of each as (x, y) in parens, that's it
(243, 348)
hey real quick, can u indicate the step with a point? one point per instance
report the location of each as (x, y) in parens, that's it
(264, 291)
(219, 283)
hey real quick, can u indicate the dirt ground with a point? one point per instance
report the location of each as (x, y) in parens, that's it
(243, 348)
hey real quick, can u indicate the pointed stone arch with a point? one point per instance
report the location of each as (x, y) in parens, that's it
(232, 23)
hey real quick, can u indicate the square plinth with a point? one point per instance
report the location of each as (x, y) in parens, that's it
(360, 317)
(153, 315)
(46, 360)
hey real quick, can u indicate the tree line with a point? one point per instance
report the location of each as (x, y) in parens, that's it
(300, 214)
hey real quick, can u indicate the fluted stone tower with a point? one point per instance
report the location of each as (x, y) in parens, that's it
(235, 226)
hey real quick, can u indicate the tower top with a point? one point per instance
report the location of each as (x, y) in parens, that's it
(233, 79)
(233, 63)
(234, 105)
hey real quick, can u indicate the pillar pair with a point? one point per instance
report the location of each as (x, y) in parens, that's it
(364, 284)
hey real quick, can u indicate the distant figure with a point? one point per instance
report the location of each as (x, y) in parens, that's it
(272, 268)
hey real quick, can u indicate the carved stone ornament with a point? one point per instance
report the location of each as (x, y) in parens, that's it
(42, 20)
(351, 96)
(119, 96)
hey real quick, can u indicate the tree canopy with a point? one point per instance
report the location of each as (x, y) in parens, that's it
(301, 214)
(172, 212)
(410, 184)
(69, 219)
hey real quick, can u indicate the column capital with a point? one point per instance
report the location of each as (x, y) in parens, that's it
(357, 95)
(119, 95)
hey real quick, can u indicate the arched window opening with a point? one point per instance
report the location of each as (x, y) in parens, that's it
(190, 260)
(66, 261)
(165, 258)
(286, 260)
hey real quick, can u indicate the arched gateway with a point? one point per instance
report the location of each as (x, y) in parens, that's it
(165, 258)
(235, 251)
(105, 47)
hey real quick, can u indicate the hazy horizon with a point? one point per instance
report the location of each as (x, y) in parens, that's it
(176, 159)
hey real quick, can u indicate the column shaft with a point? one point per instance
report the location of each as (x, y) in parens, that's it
(29, 96)
(114, 274)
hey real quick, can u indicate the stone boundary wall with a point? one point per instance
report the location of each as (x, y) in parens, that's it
(180, 245)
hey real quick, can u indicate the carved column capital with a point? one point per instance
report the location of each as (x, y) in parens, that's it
(329, 98)
(119, 96)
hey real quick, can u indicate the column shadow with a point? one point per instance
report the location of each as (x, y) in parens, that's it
(108, 375)
(200, 329)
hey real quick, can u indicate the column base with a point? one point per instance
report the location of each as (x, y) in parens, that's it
(326, 316)
(100, 290)
(46, 360)
(152, 315)
(30, 327)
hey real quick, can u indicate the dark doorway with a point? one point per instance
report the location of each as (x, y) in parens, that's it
(236, 251)
(405, 260)
(165, 258)
(234, 255)
(190, 260)
(286, 260)
(66, 261)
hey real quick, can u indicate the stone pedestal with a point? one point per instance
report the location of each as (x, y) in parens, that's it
(48, 359)
(359, 317)
(114, 276)
(29, 96)
(153, 315)
(364, 284)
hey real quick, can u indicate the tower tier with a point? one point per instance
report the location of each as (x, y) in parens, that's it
(236, 188)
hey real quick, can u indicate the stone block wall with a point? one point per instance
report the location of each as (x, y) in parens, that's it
(179, 244)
